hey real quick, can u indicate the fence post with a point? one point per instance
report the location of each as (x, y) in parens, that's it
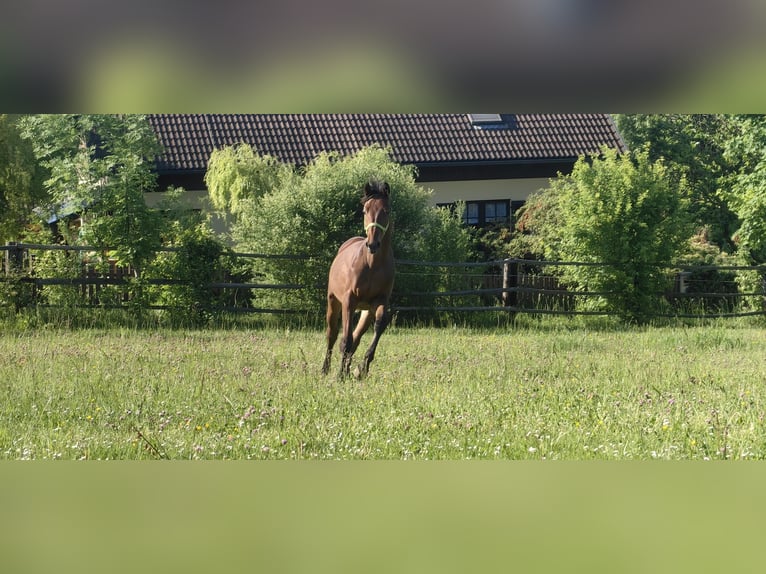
(682, 277)
(510, 281)
(763, 291)
(14, 258)
(13, 264)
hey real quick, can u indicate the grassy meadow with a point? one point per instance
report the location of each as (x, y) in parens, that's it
(538, 391)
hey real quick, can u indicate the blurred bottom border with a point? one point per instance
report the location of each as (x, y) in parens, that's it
(381, 516)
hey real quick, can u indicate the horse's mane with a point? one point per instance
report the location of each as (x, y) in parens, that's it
(375, 190)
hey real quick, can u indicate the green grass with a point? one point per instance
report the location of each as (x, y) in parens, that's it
(535, 392)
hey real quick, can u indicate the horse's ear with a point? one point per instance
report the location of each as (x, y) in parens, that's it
(373, 188)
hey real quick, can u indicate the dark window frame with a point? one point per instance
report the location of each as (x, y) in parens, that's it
(481, 219)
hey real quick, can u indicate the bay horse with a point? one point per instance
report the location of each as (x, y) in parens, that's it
(362, 278)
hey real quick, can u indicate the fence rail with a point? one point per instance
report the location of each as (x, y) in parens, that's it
(508, 286)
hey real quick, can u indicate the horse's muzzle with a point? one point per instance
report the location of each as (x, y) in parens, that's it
(373, 247)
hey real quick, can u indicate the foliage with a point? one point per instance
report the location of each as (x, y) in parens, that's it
(693, 147)
(309, 214)
(618, 209)
(490, 242)
(536, 222)
(198, 260)
(708, 277)
(17, 290)
(747, 191)
(239, 172)
(55, 264)
(21, 179)
(99, 167)
(752, 283)
(723, 159)
(443, 238)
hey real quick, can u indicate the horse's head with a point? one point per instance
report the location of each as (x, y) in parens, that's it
(376, 214)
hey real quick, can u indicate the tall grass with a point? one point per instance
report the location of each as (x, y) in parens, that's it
(540, 390)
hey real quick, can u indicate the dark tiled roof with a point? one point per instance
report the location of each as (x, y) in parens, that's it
(420, 139)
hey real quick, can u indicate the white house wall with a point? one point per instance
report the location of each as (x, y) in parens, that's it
(191, 198)
(480, 190)
(196, 199)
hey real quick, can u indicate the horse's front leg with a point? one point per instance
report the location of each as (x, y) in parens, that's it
(347, 339)
(381, 322)
(365, 320)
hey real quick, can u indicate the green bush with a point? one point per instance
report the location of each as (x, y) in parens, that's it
(198, 260)
(708, 279)
(20, 292)
(623, 210)
(15, 293)
(751, 281)
(311, 212)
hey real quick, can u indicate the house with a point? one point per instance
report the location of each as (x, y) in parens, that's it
(492, 162)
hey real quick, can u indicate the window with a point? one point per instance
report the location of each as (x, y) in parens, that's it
(480, 213)
(485, 119)
(471, 215)
(491, 212)
(496, 212)
(492, 121)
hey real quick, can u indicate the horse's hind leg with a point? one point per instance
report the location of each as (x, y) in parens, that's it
(333, 318)
(381, 322)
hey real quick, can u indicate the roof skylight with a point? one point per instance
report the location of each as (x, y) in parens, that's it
(489, 121)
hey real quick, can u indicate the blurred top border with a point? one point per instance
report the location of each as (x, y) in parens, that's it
(288, 56)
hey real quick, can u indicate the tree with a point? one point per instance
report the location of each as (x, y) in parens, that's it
(623, 210)
(100, 166)
(239, 172)
(311, 211)
(746, 192)
(21, 180)
(693, 147)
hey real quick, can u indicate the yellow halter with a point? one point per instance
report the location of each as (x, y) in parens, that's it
(376, 224)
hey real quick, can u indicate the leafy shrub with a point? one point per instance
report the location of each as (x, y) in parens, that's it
(311, 212)
(708, 279)
(199, 260)
(623, 210)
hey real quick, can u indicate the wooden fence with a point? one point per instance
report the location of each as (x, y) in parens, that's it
(506, 286)
(526, 286)
(20, 265)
